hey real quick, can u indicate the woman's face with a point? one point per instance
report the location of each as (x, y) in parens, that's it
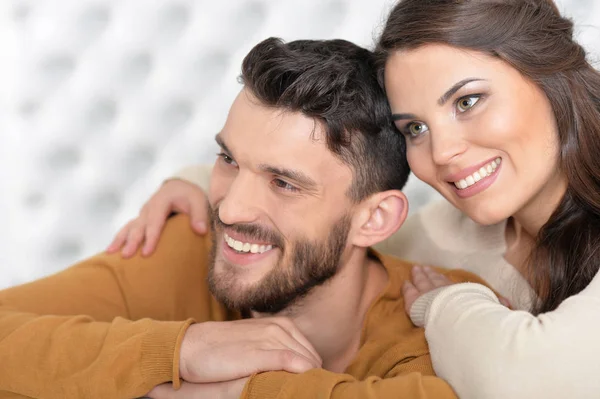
(477, 131)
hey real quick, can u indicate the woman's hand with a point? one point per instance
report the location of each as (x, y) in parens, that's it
(173, 196)
(426, 279)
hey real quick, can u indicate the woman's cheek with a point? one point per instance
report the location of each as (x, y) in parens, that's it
(420, 163)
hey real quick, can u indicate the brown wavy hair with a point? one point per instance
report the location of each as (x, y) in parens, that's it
(532, 37)
(333, 82)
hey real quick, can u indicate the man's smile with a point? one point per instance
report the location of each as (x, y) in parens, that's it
(246, 246)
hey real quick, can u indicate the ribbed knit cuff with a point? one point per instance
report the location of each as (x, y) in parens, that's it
(265, 385)
(160, 348)
(420, 308)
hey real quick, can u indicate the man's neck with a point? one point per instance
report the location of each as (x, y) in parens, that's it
(331, 317)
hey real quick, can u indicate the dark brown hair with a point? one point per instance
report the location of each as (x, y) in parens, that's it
(334, 82)
(535, 39)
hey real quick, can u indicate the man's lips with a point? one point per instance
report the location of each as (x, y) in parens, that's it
(247, 258)
(246, 246)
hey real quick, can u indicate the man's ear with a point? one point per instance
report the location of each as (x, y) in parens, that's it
(380, 216)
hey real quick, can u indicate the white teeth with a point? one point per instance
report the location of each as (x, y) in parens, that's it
(246, 246)
(238, 246)
(482, 173)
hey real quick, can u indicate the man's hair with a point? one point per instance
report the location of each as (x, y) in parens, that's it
(334, 82)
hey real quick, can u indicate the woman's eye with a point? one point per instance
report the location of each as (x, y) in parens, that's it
(284, 185)
(415, 129)
(466, 103)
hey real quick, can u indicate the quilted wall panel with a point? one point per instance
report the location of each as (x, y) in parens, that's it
(103, 99)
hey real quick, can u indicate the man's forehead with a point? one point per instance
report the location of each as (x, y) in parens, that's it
(256, 126)
(273, 156)
(305, 159)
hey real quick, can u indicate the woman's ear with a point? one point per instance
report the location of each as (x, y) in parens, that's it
(380, 216)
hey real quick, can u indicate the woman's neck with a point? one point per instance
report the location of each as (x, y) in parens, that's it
(534, 215)
(523, 227)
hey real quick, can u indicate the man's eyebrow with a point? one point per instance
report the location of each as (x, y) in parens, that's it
(222, 144)
(457, 86)
(292, 174)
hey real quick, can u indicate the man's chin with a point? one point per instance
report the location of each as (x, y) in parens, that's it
(242, 274)
(234, 288)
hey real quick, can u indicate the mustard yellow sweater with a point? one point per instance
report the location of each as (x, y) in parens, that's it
(112, 328)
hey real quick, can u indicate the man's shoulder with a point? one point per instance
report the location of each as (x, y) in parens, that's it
(178, 229)
(399, 270)
(181, 257)
(395, 266)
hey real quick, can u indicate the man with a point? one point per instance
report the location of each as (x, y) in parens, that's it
(284, 298)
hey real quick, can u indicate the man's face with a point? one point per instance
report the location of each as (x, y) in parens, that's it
(280, 213)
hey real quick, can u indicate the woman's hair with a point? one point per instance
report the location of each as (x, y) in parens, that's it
(532, 37)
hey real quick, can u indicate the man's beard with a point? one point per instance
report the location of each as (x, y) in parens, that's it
(307, 265)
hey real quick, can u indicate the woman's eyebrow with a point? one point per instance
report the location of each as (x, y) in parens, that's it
(457, 86)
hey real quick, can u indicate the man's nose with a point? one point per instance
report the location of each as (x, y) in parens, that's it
(242, 203)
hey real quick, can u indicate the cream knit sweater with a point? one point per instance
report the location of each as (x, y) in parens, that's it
(482, 348)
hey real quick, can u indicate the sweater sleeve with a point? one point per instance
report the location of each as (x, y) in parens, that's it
(319, 383)
(485, 350)
(196, 174)
(94, 330)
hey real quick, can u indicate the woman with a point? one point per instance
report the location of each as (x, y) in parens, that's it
(522, 97)
(501, 112)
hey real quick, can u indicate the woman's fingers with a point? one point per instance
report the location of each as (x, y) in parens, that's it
(410, 293)
(436, 279)
(119, 239)
(155, 222)
(421, 280)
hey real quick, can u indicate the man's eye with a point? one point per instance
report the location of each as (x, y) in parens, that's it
(416, 129)
(284, 185)
(227, 159)
(466, 103)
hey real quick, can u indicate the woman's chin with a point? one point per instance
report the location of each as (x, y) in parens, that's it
(485, 216)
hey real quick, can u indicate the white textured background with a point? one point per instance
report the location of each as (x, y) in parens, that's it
(100, 100)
